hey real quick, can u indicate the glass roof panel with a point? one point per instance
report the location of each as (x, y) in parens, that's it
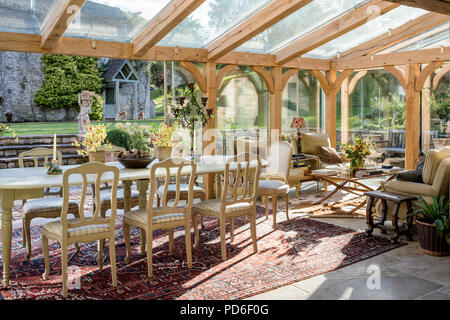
(209, 21)
(24, 16)
(114, 20)
(298, 24)
(373, 28)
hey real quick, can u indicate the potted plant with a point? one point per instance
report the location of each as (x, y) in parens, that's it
(91, 145)
(357, 153)
(163, 142)
(433, 225)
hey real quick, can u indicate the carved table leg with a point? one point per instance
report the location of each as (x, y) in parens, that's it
(384, 208)
(409, 234)
(7, 203)
(395, 222)
(369, 217)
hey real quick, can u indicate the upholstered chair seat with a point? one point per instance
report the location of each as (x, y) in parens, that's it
(55, 228)
(213, 207)
(139, 217)
(47, 204)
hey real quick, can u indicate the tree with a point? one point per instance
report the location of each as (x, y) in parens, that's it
(65, 78)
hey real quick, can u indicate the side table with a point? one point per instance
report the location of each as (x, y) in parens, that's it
(384, 196)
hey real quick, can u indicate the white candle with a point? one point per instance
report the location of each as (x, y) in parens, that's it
(54, 147)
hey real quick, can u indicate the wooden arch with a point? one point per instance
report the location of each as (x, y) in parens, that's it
(396, 72)
(265, 75)
(196, 73)
(223, 72)
(288, 75)
(439, 75)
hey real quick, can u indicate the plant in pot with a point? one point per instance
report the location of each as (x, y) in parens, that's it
(433, 225)
(163, 142)
(92, 143)
(357, 153)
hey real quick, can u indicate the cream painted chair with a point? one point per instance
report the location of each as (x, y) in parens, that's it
(276, 177)
(41, 208)
(84, 229)
(164, 217)
(239, 191)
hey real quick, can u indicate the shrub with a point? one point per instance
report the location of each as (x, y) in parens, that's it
(119, 138)
(97, 109)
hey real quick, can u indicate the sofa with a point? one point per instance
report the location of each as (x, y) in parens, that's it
(310, 145)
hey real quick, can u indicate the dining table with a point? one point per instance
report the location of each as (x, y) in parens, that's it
(31, 183)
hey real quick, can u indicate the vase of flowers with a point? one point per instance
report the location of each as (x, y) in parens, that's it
(163, 142)
(91, 145)
(357, 153)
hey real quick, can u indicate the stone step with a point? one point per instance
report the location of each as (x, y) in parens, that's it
(37, 139)
(13, 162)
(15, 150)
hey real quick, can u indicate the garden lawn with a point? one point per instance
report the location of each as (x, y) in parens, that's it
(45, 128)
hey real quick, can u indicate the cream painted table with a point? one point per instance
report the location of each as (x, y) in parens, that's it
(30, 183)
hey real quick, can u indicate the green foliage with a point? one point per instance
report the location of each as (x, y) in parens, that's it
(6, 130)
(97, 109)
(434, 213)
(140, 135)
(119, 138)
(65, 78)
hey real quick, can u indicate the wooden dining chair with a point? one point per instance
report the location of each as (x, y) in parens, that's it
(45, 207)
(166, 217)
(84, 229)
(238, 198)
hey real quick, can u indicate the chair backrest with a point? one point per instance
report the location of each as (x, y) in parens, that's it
(432, 162)
(442, 179)
(240, 180)
(164, 172)
(396, 138)
(39, 152)
(90, 173)
(280, 156)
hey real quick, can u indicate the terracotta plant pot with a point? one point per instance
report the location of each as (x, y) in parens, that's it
(163, 153)
(429, 240)
(97, 156)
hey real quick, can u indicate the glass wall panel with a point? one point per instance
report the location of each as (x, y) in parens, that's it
(375, 110)
(296, 25)
(114, 20)
(24, 16)
(373, 28)
(242, 109)
(209, 21)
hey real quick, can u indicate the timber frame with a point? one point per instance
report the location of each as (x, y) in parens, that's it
(276, 68)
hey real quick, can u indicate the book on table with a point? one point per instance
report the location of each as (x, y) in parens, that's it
(327, 172)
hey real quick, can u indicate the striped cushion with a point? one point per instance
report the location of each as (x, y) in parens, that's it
(46, 204)
(139, 216)
(212, 207)
(55, 228)
(105, 195)
(270, 186)
(183, 188)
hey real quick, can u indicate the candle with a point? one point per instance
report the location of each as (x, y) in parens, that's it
(54, 148)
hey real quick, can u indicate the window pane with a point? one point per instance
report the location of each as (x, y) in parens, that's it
(301, 22)
(114, 20)
(391, 20)
(212, 19)
(24, 16)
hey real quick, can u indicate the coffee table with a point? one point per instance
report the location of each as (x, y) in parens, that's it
(344, 182)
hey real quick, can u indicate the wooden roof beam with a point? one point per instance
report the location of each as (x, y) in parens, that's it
(440, 6)
(333, 30)
(261, 20)
(58, 20)
(397, 35)
(166, 20)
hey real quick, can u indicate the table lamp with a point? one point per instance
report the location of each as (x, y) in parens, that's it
(298, 123)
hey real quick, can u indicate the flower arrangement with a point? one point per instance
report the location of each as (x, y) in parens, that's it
(93, 140)
(357, 153)
(163, 136)
(140, 135)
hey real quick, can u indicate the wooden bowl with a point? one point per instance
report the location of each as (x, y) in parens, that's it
(136, 163)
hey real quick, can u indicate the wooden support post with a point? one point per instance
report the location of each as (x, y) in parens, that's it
(412, 115)
(209, 136)
(345, 106)
(276, 103)
(426, 113)
(330, 109)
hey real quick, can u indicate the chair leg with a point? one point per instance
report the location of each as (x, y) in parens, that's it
(274, 210)
(143, 240)
(126, 237)
(158, 202)
(232, 230)
(64, 260)
(187, 232)
(46, 257)
(253, 231)
(287, 206)
(101, 245)
(171, 241)
(203, 198)
(150, 253)
(24, 234)
(222, 239)
(266, 202)
(112, 258)
(27, 223)
(196, 233)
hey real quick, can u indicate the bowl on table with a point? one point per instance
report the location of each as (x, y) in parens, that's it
(138, 163)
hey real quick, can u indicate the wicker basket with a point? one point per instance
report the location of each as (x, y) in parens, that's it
(429, 240)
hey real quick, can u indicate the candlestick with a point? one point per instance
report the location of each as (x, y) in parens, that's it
(54, 147)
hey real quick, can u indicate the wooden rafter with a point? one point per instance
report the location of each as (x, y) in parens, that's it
(261, 20)
(169, 17)
(58, 20)
(409, 29)
(440, 74)
(333, 30)
(441, 6)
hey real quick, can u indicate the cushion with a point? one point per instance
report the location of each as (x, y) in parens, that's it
(55, 228)
(310, 142)
(139, 216)
(432, 161)
(212, 207)
(183, 188)
(413, 175)
(271, 186)
(329, 155)
(46, 204)
(105, 195)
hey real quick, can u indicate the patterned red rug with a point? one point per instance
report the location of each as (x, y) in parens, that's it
(298, 250)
